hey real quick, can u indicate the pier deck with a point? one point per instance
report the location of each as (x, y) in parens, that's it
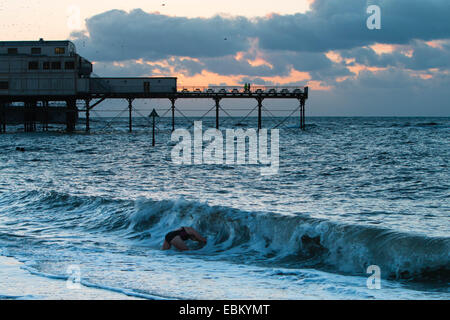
(35, 106)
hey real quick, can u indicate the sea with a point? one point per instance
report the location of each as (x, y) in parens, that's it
(359, 209)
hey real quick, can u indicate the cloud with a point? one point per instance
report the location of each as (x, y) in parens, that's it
(289, 49)
(330, 25)
(337, 25)
(418, 56)
(118, 35)
(391, 92)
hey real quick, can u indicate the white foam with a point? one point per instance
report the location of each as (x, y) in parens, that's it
(17, 283)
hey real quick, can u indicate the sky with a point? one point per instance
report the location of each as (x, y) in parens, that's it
(401, 68)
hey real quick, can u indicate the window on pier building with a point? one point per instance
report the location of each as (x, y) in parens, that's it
(60, 50)
(36, 51)
(56, 65)
(13, 51)
(46, 65)
(33, 65)
(4, 85)
(69, 65)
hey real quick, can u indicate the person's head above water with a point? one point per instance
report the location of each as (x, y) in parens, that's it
(178, 237)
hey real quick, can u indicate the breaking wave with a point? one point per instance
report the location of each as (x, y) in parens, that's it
(247, 237)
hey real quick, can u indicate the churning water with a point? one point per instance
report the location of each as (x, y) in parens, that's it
(350, 193)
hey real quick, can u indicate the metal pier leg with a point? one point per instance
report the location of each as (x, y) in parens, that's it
(29, 116)
(302, 114)
(3, 117)
(153, 133)
(87, 115)
(173, 113)
(44, 115)
(25, 117)
(34, 119)
(260, 100)
(217, 112)
(130, 110)
(71, 114)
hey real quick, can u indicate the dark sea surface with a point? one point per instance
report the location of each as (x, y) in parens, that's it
(350, 193)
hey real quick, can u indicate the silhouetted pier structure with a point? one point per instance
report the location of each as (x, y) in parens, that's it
(36, 109)
(34, 75)
(215, 93)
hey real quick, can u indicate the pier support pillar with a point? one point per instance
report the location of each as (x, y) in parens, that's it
(217, 112)
(302, 114)
(45, 116)
(260, 100)
(130, 114)
(71, 114)
(88, 110)
(173, 113)
(2, 117)
(29, 116)
(26, 116)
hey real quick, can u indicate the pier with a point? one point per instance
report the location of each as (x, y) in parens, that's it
(36, 109)
(36, 75)
(213, 93)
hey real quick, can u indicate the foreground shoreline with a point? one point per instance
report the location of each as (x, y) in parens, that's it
(16, 283)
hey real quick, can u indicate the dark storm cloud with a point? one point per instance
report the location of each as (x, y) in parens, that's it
(231, 66)
(117, 35)
(124, 69)
(337, 24)
(281, 64)
(330, 25)
(390, 78)
(186, 66)
(423, 57)
(317, 64)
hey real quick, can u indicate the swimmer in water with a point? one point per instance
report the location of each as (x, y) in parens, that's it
(178, 237)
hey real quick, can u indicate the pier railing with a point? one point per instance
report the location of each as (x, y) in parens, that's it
(275, 90)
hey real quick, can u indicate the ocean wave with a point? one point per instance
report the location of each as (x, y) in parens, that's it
(251, 237)
(298, 240)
